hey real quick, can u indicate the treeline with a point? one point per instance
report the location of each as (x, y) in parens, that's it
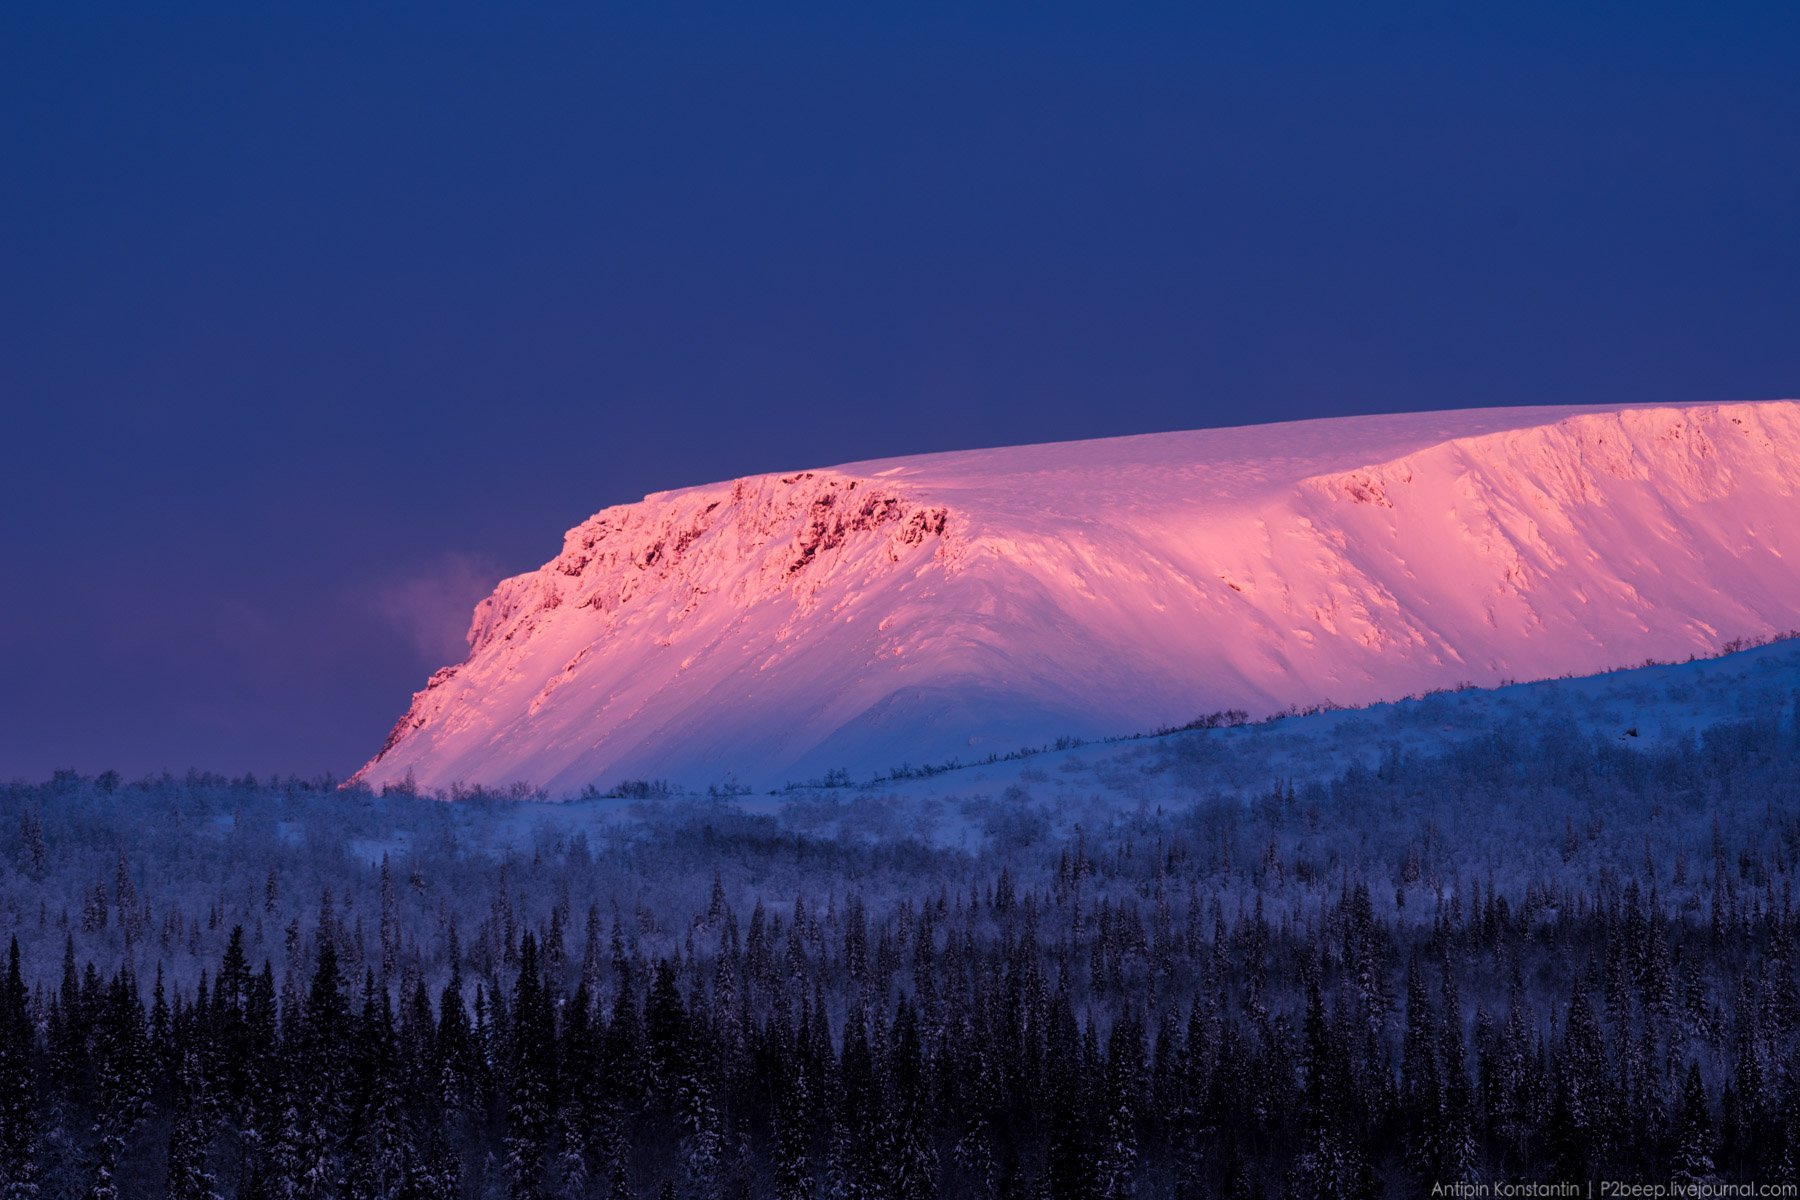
(1533, 954)
(1006, 1042)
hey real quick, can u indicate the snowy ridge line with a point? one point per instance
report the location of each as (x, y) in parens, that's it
(1238, 719)
(943, 776)
(786, 626)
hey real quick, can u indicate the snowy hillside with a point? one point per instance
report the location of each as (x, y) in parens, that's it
(1657, 709)
(956, 605)
(1648, 710)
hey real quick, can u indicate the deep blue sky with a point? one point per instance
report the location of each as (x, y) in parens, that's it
(315, 319)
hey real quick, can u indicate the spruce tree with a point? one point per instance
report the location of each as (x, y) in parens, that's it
(529, 1079)
(1692, 1128)
(19, 1095)
(189, 1174)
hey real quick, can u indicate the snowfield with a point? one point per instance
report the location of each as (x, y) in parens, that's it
(954, 606)
(1050, 793)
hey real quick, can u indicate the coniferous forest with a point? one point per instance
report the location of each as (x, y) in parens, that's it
(1537, 956)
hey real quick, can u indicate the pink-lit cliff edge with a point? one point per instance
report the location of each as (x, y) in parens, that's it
(949, 606)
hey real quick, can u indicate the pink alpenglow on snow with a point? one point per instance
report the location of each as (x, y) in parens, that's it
(952, 606)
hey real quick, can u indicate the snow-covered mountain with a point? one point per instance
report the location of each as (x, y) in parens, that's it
(949, 606)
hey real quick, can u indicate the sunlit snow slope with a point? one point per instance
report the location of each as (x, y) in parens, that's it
(955, 605)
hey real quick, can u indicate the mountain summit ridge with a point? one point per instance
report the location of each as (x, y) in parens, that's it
(953, 605)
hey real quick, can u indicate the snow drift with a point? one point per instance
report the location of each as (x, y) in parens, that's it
(950, 606)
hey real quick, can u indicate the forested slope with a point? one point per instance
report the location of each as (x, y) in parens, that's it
(1537, 951)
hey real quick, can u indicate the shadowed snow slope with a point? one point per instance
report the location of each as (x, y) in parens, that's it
(950, 606)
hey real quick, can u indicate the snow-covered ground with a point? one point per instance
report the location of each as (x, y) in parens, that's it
(1532, 788)
(948, 606)
(1644, 708)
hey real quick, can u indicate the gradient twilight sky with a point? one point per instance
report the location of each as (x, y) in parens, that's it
(316, 319)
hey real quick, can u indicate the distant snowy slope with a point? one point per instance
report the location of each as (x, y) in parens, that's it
(1113, 783)
(954, 605)
(1648, 708)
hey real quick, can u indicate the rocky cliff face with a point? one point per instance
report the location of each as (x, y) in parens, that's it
(956, 605)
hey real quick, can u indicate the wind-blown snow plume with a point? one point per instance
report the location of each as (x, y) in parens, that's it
(954, 605)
